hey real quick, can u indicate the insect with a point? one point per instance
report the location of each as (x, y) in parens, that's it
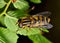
(40, 20)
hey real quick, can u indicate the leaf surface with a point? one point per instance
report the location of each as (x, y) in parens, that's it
(28, 31)
(38, 38)
(10, 23)
(17, 14)
(7, 36)
(36, 1)
(21, 4)
(2, 3)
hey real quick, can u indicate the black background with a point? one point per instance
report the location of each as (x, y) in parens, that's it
(54, 7)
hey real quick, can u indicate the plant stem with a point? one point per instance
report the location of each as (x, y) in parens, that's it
(4, 12)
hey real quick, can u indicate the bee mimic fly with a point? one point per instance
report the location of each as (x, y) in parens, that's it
(40, 20)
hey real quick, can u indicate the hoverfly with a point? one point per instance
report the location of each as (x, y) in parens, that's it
(40, 20)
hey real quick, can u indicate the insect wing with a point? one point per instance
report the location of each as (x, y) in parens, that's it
(45, 13)
(48, 26)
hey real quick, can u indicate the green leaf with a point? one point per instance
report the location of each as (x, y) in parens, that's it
(38, 38)
(44, 29)
(10, 23)
(7, 36)
(17, 14)
(2, 20)
(21, 4)
(1, 40)
(28, 31)
(36, 1)
(2, 3)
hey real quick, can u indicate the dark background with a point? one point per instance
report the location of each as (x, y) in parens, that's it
(54, 7)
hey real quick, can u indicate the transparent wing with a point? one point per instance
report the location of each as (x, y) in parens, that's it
(45, 13)
(48, 26)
